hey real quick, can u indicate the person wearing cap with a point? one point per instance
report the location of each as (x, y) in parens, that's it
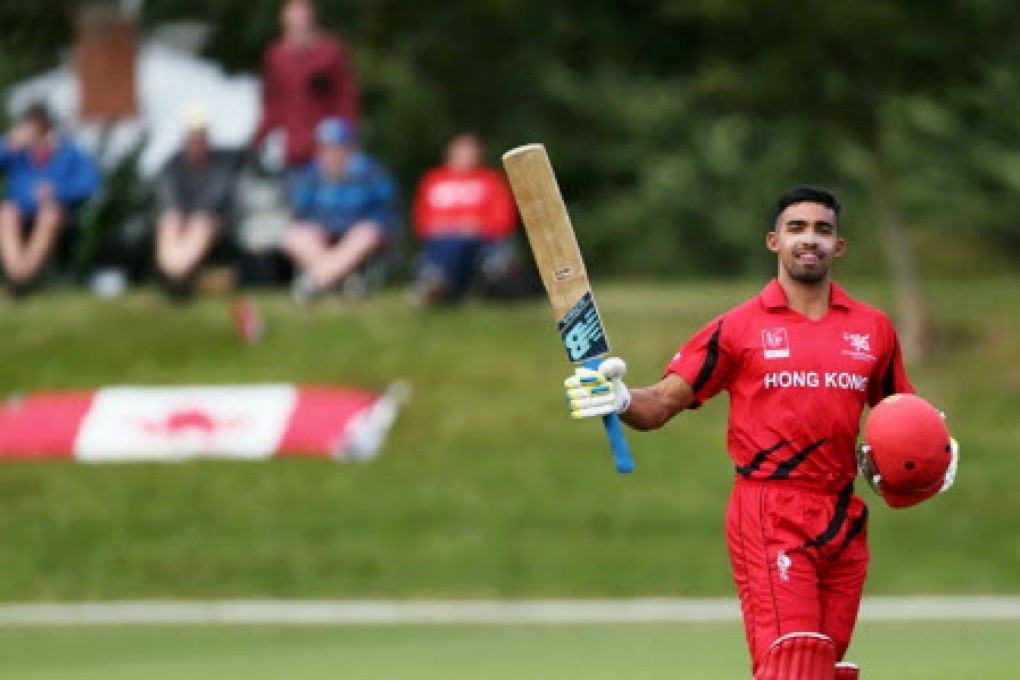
(48, 178)
(307, 77)
(194, 192)
(344, 206)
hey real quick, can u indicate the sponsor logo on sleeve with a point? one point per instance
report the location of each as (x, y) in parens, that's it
(776, 343)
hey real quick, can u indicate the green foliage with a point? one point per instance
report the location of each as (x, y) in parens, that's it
(839, 64)
(485, 488)
(674, 192)
(674, 125)
(961, 169)
(33, 35)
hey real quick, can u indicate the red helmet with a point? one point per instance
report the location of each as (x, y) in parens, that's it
(907, 454)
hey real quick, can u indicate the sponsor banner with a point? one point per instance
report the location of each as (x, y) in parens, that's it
(242, 422)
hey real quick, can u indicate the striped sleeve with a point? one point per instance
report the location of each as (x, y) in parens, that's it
(889, 376)
(704, 361)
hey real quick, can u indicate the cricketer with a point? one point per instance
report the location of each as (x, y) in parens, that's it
(800, 361)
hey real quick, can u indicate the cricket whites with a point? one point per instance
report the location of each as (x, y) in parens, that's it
(562, 269)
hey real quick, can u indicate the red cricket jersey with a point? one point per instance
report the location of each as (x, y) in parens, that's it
(797, 387)
(475, 203)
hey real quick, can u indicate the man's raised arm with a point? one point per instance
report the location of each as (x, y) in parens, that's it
(592, 393)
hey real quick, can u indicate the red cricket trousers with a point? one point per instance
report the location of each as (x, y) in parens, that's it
(799, 559)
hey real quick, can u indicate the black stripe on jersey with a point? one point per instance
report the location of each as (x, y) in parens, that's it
(838, 518)
(889, 379)
(759, 459)
(856, 527)
(711, 359)
(787, 466)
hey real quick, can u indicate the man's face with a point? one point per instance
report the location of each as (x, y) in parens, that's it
(298, 16)
(196, 143)
(806, 240)
(29, 133)
(464, 153)
(333, 159)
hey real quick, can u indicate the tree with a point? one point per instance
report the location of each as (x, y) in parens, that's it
(844, 67)
(673, 123)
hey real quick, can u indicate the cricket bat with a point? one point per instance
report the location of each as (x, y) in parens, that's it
(558, 256)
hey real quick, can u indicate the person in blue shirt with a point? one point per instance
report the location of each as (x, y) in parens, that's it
(47, 179)
(345, 212)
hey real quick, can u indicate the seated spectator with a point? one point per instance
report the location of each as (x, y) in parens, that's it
(194, 191)
(345, 212)
(464, 216)
(48, 179)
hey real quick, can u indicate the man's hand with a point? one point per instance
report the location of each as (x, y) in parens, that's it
(598, 393)
(19, 137)
(45, 193)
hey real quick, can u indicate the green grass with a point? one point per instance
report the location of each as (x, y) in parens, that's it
(885, 651)
(485, 488)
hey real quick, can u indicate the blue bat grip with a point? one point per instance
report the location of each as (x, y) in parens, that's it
(614, 432)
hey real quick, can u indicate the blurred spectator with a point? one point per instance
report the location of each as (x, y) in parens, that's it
(306, 78)
(194, 193)
(464, 216)
(345, 210)
(48, 179)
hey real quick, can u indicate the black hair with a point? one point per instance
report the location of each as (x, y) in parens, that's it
(39, 114)
(807, 194)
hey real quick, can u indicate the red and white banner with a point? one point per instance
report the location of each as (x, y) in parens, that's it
(242, 422)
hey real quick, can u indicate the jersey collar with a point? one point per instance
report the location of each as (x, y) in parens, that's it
(774, 297)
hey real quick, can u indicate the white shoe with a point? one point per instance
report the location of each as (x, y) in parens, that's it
(304, 290)
(354, 287)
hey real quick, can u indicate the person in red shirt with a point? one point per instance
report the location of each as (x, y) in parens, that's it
(464, 216)
(307, 77)
(800, 361)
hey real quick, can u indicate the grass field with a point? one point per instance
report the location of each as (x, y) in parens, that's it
(885, 651)
(485, 487)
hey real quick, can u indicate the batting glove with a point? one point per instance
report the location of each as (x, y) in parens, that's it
(598, 393)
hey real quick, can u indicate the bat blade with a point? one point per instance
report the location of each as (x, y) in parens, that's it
(548, 226)
(554, 245)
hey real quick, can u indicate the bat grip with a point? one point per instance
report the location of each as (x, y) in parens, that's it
(614, 432)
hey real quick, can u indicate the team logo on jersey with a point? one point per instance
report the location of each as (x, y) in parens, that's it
(776, 343)
(456, 194)
(859, 346)
(783, 564)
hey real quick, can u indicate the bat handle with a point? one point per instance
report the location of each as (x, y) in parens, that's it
(621, 450)
(614, 432)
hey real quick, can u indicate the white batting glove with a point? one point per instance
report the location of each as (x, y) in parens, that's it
(598, 393)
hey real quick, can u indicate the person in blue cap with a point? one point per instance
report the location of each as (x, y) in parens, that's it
(345, 212)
